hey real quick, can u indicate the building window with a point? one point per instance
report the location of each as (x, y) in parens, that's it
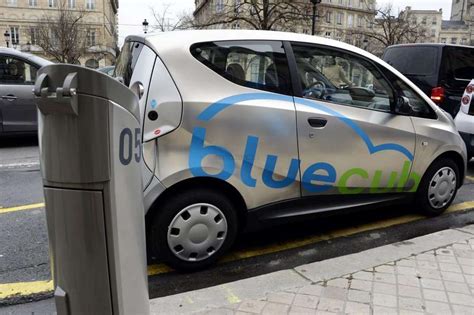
(52, 3)
(33, 36)
(219, 6)
(443, 40)
(454, 40)
(434, 21)
(359, 21)
(90, 5)
(12, 3)
(72, 4)
(15, 35)
(433, 32)
(464, 41)
(339, 17)
(423, 21)
(328, 17)
(349, 3)
(328, 35)
(33, 3)
(91, 38)
(350, 20)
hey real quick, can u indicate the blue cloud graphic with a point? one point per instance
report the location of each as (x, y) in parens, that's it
(215, 108)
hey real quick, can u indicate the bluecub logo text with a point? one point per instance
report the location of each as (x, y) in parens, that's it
(317, 178)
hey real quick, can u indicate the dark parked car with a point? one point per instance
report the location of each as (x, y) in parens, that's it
(441, 71)
(17, 105)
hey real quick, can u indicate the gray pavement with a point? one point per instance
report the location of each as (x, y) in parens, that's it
(432, 274)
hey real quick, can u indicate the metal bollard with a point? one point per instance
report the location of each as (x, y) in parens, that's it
(90, 150)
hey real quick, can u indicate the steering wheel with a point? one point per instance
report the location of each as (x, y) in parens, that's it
(316, 89)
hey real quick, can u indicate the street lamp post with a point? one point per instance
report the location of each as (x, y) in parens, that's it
(314, 2)
(145, 26)
(7, 38)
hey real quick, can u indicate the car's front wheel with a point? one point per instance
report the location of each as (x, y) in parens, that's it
(193, 229)
(438, 187)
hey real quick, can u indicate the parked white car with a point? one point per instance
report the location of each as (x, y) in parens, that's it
(247, 128)
(465, 119)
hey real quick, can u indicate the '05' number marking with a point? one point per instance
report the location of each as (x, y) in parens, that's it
(130, 147)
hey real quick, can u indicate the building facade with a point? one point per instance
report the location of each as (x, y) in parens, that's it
(20, 18)
(462, 12)
(429, 20)
(335, 18)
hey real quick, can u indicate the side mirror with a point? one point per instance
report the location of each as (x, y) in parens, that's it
(403, 106)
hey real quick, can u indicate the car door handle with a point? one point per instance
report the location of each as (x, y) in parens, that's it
(9, 97)
(317, 122)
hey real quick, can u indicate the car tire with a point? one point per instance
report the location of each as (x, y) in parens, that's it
(438, 187)
(193, 229)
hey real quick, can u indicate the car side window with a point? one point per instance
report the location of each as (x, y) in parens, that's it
(338, 77)
(419, 107)
(126, 61)
(255, 64)
(16, 71)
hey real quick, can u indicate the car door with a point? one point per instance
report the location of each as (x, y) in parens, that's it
(17, 105)
(349, 140)
(134, 68)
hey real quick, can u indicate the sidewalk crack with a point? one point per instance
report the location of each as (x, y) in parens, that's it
(303, 276)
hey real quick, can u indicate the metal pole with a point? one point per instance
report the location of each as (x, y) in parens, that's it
(314, 19)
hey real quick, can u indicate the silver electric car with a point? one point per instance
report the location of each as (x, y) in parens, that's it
(242, 129)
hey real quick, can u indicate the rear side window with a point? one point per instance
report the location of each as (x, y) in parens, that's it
(127, 60)
(412, 60)
(255, 64)
(460, 63)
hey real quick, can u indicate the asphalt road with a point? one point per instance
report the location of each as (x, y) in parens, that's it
(24, 246)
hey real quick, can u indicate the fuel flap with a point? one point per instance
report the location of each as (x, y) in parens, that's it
(164, 104)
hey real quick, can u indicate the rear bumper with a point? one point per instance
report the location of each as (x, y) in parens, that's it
(469, 141)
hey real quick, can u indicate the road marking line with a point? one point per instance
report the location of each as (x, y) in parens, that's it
(157, 269)
(8, 290)
(22, 208)
(20, 165)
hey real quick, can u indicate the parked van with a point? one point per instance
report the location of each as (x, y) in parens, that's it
(242, 129)
(441, 71)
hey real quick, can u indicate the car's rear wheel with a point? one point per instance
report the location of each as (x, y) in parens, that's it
(438, 187)
(193, 229)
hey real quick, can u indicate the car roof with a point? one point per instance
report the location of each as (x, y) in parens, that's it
(178, 39)
(30, 57)
(440, 45)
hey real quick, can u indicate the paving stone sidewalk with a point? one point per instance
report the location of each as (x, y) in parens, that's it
(438, 281)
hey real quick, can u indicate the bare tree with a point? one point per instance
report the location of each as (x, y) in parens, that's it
(165, 21)
(61, 33)
(388, 29)
(261, 14)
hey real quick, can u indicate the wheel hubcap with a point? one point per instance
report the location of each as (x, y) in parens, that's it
(442, 187)
(197, 232)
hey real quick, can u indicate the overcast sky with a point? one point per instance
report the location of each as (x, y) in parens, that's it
(132, 12)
